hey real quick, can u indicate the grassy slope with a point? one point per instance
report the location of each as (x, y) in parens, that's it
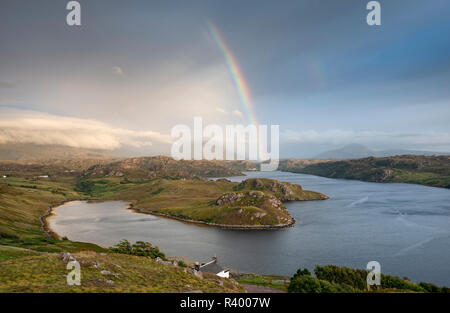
(271, 281)
(423, 170)
(47, 273)
(22, 202)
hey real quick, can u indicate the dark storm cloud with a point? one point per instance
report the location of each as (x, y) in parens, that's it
(312, 66)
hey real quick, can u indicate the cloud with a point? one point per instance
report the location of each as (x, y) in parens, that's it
(238, 113)
(439, 140)
(7, 84)
(39, 128)
(117, 70)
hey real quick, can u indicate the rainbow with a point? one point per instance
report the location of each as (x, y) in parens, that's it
(237, 77)
(236, 74)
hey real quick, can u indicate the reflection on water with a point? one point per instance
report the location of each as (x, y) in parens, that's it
(404, 227)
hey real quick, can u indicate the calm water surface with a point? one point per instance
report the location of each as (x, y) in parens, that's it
(404, 227)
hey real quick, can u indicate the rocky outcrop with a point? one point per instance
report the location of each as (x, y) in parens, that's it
(230, 198)
(282, 190)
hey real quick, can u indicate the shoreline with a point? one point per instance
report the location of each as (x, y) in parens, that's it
(214, 225)
(45, 226)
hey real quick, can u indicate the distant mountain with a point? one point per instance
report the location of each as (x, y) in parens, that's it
(352, 151)
(393, 152)
(30, 152)
(357, 151)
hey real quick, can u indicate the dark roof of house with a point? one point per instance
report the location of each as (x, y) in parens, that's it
(211, 268)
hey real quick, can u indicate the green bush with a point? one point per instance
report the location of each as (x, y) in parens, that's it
(430, 287)
(388, 281)
(303, 282)
(84, 186)
(332, 278)
(140, 248)
(355, 278)
(8, 236)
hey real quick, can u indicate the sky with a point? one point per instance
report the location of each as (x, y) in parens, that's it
(135, 69)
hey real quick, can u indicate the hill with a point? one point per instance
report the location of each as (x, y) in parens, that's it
(28, 271)
(352, 151)
(356, 151)
(163, 166)
(130, 168)
(27, 152)
(423, 170)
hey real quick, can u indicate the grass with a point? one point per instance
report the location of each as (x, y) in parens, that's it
(10, 253)
(271, 281)
(47, 273)
(20, 210)
(421, 178)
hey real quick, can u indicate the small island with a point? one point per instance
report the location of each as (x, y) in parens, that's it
(252, 204)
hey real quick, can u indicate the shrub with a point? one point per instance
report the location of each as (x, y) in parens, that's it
(430, 287)
(303, 282)
(355, 278)
(8, 236)
(84, 186)
(140, 248)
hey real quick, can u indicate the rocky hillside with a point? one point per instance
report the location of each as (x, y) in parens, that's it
(297, 163)
(424, 170)
(162, 166)
(51, 167)
(284, 191)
